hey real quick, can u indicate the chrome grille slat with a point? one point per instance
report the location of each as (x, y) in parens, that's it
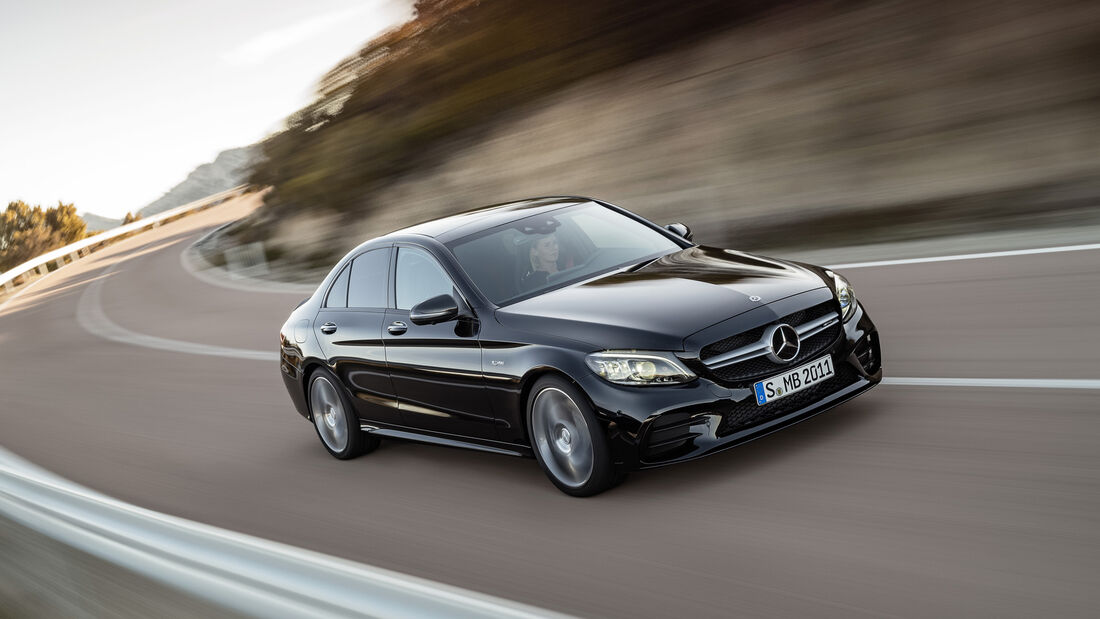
(759, 348)
(741, 354)
(814, 327)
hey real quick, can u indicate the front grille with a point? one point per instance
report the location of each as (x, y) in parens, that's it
(753, 335)
(746, 414)
(762, 367)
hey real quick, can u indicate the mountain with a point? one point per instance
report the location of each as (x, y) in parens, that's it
(229, 169)
(99, 223)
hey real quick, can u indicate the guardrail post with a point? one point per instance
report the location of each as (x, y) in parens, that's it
(42, 269)
(74, 256)
(8, 287)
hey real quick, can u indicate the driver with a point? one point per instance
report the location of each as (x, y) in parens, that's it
(543, 260)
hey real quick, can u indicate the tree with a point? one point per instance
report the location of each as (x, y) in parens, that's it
(26, 231)
(64, 220)
(130, 218)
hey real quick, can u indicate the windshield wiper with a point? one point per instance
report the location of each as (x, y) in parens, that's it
(641, 265)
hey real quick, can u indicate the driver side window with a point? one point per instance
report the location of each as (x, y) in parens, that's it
(419, 278)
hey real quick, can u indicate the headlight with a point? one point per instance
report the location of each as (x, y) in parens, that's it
(624, 367)
(845, 294)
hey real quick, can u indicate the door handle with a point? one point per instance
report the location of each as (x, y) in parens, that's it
(397, 327)
(328, 328)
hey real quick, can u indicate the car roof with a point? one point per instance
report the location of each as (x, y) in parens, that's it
(469, 222)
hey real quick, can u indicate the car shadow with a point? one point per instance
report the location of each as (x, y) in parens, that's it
(747, 459)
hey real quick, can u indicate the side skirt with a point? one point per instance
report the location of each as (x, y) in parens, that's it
(438, 440)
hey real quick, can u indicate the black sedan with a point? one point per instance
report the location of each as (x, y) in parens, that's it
(573, 331)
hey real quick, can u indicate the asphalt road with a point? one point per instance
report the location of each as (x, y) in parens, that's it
(909, 501)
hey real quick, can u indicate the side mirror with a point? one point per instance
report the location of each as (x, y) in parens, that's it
(434, 310)
(680, 230)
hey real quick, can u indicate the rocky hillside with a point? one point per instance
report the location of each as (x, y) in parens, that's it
(818, 123)
(819, 119)
(98, 223)
(228, 170)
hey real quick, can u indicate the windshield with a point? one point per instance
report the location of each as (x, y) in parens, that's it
(553, 249)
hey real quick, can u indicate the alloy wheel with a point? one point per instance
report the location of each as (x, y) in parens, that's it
(328, 414)
(562, 437)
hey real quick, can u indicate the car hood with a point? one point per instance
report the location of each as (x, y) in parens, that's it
(663, 302)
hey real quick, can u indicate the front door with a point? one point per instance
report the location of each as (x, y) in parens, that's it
(435, 369)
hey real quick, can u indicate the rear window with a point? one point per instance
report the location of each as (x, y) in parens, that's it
(338, 293)
(367, 287)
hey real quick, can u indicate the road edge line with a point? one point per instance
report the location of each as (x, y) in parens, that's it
(976, 256)
(1015, 383)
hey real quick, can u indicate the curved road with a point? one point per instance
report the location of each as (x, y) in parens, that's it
(910, 501)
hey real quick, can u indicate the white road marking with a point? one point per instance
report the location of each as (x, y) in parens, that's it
(1023, 383)
(90, 316)
(990, 254)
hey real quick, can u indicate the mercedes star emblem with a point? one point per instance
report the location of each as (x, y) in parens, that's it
(783, 344)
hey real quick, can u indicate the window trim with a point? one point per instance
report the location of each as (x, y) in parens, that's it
(345, 263)
(457, 282)
(332, 286)
(432, 256)
(387, 302)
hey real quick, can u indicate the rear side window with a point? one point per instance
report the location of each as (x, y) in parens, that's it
(338, 294)
(367, 287)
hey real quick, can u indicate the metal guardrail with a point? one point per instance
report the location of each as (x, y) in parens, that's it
(107, 554)
(11, 279)
(230, 571)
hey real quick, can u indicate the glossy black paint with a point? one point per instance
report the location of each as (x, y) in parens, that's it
(660, 304)
(356, 355)
(464, 381)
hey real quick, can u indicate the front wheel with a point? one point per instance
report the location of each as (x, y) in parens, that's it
(568, 440)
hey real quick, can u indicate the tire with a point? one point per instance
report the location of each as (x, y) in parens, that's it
(569, 442)
(334, 418)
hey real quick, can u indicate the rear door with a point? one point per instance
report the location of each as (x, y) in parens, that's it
(349, 327)
(435, 369)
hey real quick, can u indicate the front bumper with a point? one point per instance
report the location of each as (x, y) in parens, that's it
(657, 426)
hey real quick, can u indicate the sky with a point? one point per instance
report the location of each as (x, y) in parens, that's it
(108, 104)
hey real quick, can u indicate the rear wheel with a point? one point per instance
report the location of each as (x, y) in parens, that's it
(334, 419)
(568, 440)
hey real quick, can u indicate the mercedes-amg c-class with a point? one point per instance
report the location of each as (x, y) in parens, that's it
(573, 331)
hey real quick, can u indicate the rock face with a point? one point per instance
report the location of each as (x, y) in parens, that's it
(811, 112)
(98, 223)
(228, 170)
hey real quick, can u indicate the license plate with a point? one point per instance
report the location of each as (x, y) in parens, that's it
(783, 385)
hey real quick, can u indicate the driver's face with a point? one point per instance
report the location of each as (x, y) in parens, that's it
(547, 249)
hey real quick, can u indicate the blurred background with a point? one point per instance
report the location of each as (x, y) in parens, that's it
(827, 130)
(862, 121)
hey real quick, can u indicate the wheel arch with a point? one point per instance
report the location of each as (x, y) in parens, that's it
(309, 367)
(527, 383)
